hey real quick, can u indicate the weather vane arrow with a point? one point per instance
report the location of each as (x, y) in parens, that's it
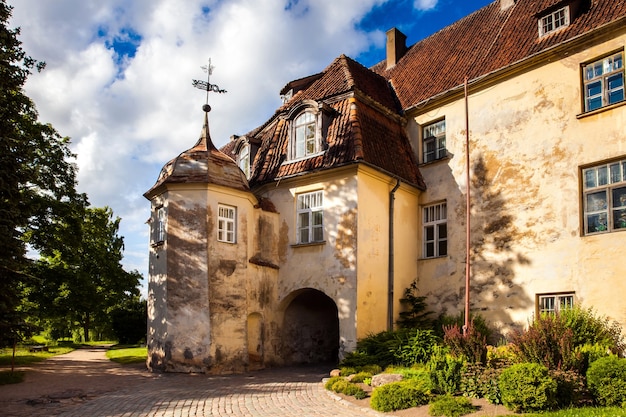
(206, 85)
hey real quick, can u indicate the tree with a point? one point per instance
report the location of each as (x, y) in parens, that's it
(84, 280)
(414, 315)
(37, 181)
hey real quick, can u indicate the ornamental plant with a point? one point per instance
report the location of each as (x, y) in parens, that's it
(527, 387)
(606, 379)
(399, 396)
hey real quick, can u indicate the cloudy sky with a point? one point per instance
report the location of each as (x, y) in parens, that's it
(119, 72)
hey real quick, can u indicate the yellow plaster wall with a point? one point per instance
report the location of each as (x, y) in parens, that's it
(527, 146)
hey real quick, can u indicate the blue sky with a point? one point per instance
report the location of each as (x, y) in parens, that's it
(118, 75)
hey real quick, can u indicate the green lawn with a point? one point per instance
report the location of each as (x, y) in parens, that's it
(583, 412)
(127, 354)
(24, 357)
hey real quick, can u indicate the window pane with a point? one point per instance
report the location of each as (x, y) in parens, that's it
(616, 88)
(317, 218)
(304, 236)
(596, 201)
(603, 175)
(566, 302)
(304, 219)
(616, 174)
(596, 223)
(443, 247)
(430, 249)
(619, 197)
(590, 178)
(546, 304)
(430, 233)
(443, 231)
(318, 234)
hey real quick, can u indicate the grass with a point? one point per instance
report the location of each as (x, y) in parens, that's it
(127, 354)
(8, 377)
(24, 357)
(582, 412)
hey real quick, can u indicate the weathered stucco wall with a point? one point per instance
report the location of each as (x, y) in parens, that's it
(527, 147)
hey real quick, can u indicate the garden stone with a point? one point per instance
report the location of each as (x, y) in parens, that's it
(384, 379)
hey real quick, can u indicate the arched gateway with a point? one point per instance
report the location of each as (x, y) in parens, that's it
(310, 328)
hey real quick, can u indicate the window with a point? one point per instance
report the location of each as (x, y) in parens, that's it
(158, 232)
(554, 21)
(434, 137)
(604, 82)
(244, 160)
(604, 198)
(305, 142)
(310, 227)
(226, 219)
(435, 231)
(553, 303)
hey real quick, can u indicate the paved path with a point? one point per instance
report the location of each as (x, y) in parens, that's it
(85, 384)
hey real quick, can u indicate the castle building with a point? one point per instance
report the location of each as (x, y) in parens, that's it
(299, 238)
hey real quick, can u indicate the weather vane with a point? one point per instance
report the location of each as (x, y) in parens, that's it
(206, 85)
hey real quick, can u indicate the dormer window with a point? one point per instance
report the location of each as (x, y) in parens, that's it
(554, 21)
(304, 137)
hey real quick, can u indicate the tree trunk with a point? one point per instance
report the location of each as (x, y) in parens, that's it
(86, 327)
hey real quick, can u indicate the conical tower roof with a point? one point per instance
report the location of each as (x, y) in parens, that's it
(201, 164)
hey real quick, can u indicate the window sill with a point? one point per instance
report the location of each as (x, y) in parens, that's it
(433, 257)
(303, 245)
(601, 109)
(435, 161)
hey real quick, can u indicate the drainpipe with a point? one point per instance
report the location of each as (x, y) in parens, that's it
(392, 198)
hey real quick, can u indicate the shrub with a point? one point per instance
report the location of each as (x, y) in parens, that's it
(527, 387)
(472, 344)
(417, 349)
(418, 374)
(590, 329)
(571, 390)
(549, 342)
(450, 406)
(343, 386)
(445, 371)
(478, 381)
(414, 315)
(398, 396)
(478, 322)
(360, 377)
(606, 379)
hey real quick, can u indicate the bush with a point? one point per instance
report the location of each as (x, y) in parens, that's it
(571, 390)
(527, 387)
(445, 371)
(417, 349)
(415, 315)
(606, 379)
(590, 329)
(418, 374)
(450, 406)
(398, 396)
(360, 377)
(478, 381)
(472, 344)
(343, 386)
(478, 322)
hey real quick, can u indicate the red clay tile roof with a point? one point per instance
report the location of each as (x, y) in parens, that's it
(486, 41)
(203, 163)
(364, 127)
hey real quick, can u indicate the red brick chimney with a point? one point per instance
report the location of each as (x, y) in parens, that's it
(396, 46)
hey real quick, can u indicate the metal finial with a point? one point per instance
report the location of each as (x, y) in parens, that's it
(206, 85)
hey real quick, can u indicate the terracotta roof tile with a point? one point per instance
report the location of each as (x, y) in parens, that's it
(485, 41)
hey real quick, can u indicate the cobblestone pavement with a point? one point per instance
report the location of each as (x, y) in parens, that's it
(286, 392)
(85, 384)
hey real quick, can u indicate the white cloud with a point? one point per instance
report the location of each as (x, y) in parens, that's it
(425, 5)
(127, 117)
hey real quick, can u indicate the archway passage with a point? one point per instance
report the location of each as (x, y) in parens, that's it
(311, 329)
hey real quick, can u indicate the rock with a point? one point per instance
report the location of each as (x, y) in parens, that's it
(383, 379)
(335, 372)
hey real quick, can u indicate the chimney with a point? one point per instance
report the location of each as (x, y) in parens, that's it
(396, 46)
(506, 4)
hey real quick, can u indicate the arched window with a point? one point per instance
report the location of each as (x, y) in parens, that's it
(305, 142)
(244, 159)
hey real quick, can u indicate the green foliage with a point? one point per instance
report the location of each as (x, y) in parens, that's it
(127, 354)
(583, 412)
(449, 406)
(472, 344)
(477, 321)
(37, 185)
(606, 379)
(478, 381)
(419, 374)
(571, 389)
(360, 377)
(343, 386)
(591, 329)
(445, 371)
(8, 377)
(129, 321)
(527, 387)
(386, 348)
(414, 315)
(417, 349)
(398, 396)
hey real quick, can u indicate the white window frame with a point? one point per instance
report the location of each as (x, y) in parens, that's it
(226, 223)
(554, 21)
(304, 142)
(310, 217)
(555, 302)
(603, 82)
(604, 197)
(434, 141)
(435, 226)
(244, 159)
(158, 230)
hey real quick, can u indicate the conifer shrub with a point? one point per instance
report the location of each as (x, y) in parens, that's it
(399, 396)
(445, 371)
(343, 386)
(606, 379)
(449, 406)
(527, 387)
